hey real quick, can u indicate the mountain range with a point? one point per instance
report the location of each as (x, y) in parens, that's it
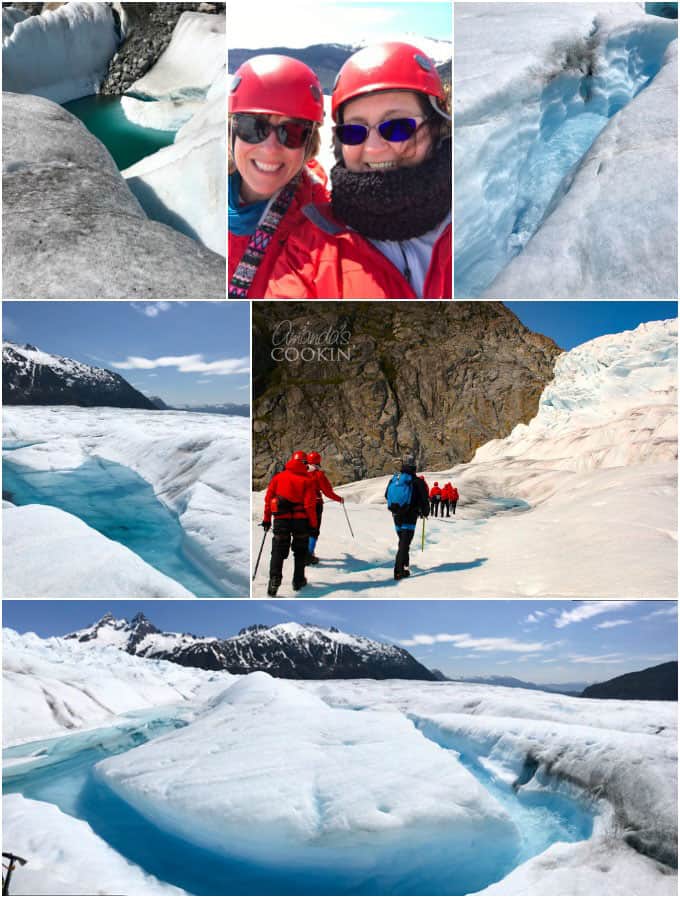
(290, 650)
(33, 377)
(653, 684)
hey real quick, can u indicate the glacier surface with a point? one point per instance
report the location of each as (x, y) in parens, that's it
(374, 781)
(61, 54)
(580, 502)
(184, 185)
(539, 211)
(198, 467)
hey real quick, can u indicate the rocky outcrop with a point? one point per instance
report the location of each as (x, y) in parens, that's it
(147, 28)
(382, 379)
(73, 229)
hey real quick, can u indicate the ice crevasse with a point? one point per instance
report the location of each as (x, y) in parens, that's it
(565, 151)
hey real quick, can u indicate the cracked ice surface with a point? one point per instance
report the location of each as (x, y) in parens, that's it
(197, 465)
(586, 223)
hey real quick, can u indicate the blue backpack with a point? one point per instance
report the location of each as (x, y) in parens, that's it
(399, 492)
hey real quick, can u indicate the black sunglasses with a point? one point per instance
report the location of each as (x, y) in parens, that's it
(256, 128)
(396, 130)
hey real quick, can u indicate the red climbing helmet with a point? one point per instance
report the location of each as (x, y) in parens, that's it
(299, 456)
(313, 458)
(388, 66)
(276, 85)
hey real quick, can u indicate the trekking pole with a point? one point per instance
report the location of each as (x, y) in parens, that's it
(422, 539)
(348, 523)
(13, 859)
(259, 554)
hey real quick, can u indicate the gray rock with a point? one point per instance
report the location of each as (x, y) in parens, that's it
(72, 229)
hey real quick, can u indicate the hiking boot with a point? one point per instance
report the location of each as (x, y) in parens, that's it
(311, 558)
(401, 575)
(272, 588)
(298, 584)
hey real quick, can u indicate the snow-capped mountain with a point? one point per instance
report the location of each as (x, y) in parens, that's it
(33, 377)
(290, 650)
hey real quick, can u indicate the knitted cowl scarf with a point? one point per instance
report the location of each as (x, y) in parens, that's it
(395, 204)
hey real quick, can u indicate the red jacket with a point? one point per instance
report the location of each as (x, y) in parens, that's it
(447, 491)
(312, 189)
(454, 494)
(435, 492)
(329, 261)
(296, 486)
(323, 485)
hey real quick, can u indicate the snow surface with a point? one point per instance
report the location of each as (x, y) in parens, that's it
(359, 772)
(184, 185)
(55, 686)
(61, 54)
(66, 853)
(593, 482)
(197, 464)
(310, 804)
(598, 223)
(48, 552)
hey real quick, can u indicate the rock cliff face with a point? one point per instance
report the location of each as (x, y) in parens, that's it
(364, 383)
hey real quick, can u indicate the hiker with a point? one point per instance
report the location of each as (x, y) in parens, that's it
(291, 500)
(446, 499)
(454, 498)
(435, 498)
(322, 485)
(407, 499)
(386, 233)
(275, 110)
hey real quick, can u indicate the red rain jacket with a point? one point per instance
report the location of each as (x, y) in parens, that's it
(435, 492)
(312, 189)
(323, 485)
(324, 259)
(454, 494)
(295, 485)
(447, 491)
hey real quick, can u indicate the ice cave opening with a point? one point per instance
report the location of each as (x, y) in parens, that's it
(118, 503)
(510, 180)
(62, 771)
(127, 141)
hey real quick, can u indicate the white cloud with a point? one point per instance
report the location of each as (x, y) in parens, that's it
(662, 612)
(151, 309)
(483, 644)
(186, 364)
(586, 610)
(535, 617)
(612, 658)
(276, 609)
(608, 624)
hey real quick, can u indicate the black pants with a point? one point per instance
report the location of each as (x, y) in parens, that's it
(445, 506)
(287, 531)
(319, 513)
(454, 502)
(434, 505)
(405, 532)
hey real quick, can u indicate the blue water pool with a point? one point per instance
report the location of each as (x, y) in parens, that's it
(118, 503)
(66, 779)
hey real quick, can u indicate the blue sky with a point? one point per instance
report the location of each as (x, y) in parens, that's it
(573, 323)
(540, 641)
(330, 21)
(153, 345)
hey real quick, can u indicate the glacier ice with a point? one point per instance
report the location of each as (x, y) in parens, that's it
(529, 103)
(73, 229)
(196, 463)
(61, 54)
(184, 185)
(580, 502)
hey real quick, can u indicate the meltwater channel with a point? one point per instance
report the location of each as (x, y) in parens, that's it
(62, 771)
(118, 503)
(525, 167)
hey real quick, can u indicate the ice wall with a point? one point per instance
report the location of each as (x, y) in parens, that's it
(62, 54)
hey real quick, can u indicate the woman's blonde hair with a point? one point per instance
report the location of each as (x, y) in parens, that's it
(312, 150)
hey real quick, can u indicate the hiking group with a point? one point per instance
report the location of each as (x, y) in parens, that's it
(382, 228)
(294, 499)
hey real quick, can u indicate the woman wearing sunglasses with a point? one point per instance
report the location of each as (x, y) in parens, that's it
(275, 109)
(386, 233)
